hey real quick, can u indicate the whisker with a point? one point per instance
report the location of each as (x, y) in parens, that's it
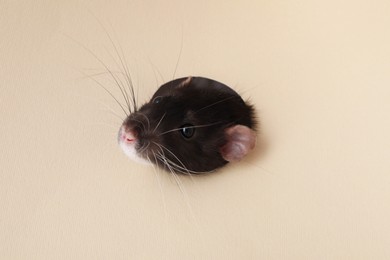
(179, 183)
(183, 192)
(181, 169)
(259, 167)
(119, 84)
(142, 123)
(220, 101)
(144, 148)
(163, 147)
(122, 87)
(124, 65)
(198, 126)
(155, 75)
(101, 62)
(159, 122)
(103, 124)
(107, 107)
(184, 171)
(97, 74)
(124, 93)
(164, 160)
(155, 68)
(178, 58)
(125, 68)
(112, 112)
(105, 89)
(147, 119)
(160, 186)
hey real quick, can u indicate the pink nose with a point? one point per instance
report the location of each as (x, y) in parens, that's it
(128, 137)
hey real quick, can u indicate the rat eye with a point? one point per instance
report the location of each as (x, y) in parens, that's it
(187, 130)
(157, 100)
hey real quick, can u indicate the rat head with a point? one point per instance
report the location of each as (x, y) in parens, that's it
(191, 125)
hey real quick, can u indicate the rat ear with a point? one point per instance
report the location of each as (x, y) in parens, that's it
(185, 82)
(240, 140)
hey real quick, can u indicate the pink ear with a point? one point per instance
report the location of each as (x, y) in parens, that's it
(240, 140)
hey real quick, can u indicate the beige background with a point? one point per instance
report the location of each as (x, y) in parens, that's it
(317, 72)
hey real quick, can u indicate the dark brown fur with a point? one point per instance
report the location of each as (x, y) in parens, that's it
(209, 106)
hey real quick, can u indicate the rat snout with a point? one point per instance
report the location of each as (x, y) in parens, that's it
(127, 136)
(129, 142)
(137, 136)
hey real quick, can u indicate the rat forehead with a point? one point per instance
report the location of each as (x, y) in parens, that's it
(195, 86)
(174, 87)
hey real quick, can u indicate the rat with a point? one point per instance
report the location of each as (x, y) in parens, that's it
(191, 125)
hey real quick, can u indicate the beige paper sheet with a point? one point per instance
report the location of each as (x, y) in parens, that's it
(318, 73)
